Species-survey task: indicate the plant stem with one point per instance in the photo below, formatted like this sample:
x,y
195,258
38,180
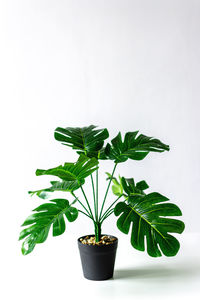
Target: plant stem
x,y
84,213
97,195
107,190
107,215
87,202
76,198
95,211
97,229
110,207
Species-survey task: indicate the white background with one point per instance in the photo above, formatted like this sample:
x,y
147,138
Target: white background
x,y
124,65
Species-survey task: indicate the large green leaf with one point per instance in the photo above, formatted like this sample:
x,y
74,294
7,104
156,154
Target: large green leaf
x,y
59,186
133,147
73,173
148,217
86,140
46,215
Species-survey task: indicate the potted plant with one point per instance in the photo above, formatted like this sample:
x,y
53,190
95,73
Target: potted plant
x,y
147,214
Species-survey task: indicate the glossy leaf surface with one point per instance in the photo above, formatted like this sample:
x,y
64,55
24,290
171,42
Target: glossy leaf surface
x,y
59,186
86,140
47,214
73,173
131,188
147,218
133,147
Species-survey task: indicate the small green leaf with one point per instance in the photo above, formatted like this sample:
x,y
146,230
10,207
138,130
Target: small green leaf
x,y
117,188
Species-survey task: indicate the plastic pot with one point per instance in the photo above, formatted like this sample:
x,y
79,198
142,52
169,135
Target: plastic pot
x,y
98,260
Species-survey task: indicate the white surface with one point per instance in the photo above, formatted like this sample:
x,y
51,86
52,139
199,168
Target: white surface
x,y
54,271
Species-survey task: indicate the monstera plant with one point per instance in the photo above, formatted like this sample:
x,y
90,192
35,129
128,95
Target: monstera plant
x,y
147,216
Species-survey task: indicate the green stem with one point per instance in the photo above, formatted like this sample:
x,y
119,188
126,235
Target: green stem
x,y
97,229
107,215
110,207
87,202
97,195
84,213
95,211
107,190
76,198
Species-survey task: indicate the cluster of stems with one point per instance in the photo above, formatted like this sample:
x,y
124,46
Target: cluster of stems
x,y
98,217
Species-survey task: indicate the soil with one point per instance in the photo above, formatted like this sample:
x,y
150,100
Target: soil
x,y
105,240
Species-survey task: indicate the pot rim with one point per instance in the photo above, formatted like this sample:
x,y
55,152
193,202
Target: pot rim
x,y
101,245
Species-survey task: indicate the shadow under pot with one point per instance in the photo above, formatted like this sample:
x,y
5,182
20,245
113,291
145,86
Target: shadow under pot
x,y
98,260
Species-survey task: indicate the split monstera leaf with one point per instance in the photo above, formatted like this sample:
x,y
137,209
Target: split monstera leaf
x,y
47,214
147,216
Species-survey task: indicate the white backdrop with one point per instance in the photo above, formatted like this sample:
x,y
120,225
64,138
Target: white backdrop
x,y
124,65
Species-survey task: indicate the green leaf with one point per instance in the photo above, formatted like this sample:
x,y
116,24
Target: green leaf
x,y
47,214
59,186
144,216
131,189
86,140
142,185
73,173
71,214
128,185
133,147
58,226
117,187
40,193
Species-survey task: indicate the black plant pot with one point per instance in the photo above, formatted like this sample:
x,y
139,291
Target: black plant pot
x,y
98,260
